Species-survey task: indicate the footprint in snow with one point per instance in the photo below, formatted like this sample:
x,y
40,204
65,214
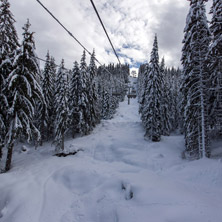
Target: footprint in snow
x,y
127,190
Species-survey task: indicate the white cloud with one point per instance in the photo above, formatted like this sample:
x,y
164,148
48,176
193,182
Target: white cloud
x,y
131,25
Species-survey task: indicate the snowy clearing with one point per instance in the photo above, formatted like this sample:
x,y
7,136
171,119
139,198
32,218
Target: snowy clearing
x,y
118,177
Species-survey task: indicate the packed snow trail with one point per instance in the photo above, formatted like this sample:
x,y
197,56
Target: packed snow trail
x,y
118,177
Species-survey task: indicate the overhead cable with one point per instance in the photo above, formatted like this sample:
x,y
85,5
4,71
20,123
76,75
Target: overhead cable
x,y
105,30
72,36
66,30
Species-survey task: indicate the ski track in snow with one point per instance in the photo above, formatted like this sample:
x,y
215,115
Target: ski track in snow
x,y
119,177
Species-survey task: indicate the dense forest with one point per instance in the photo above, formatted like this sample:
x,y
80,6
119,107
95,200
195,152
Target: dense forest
x,y
53,103
189,100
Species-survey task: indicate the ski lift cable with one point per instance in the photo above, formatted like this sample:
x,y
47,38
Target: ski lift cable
x,y
94,7
64,28
72,36
57,20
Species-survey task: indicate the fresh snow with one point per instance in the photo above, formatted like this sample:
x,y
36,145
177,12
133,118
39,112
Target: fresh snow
x,y
117,177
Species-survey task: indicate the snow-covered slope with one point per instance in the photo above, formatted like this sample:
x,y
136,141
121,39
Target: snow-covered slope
x,y
118,177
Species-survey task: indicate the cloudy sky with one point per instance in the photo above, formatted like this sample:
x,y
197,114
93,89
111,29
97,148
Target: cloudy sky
x,y
131,25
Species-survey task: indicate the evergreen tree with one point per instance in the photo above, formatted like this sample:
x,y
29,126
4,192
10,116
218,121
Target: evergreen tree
x,y
165,101
173,82
142,82
25,89
102,82
75,93
195,75
215,66
93,93
53,70
114,103
8,46
106,97
47,112
151,111
110,93
8,41
3,116
62,111
83,100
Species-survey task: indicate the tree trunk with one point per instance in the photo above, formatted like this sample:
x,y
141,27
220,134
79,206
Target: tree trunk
x,y
62,145
9,156
40,142
204,148
73,133
42,127
1,148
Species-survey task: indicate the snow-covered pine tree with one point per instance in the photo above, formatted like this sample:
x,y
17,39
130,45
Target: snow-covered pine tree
x,y
111,94
141,85
75,92
102,82
8,41
47,111
144,74
106,97
93,92
174,81
8,46
25,89
215,66
83,100
53,71
178,102
114,90
62,111
152,108
119,81
165,101
195,74
114,103
3,119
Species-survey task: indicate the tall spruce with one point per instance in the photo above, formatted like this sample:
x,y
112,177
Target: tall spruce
x,y
142,83
195,74
47,117
75,92
62,111
173,80
106,102
25,90
215,66
8,41
152,108
83,100
165,101
93,92
104,93
8,46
